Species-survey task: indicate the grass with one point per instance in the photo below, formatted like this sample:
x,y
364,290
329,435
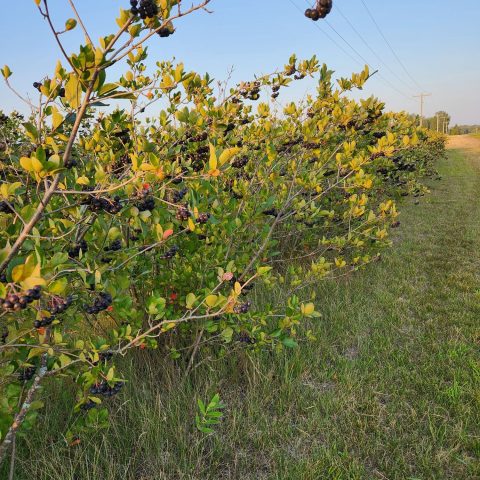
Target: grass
x,y
390,389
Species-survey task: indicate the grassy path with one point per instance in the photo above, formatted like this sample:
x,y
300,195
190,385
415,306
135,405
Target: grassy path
x,y
390,390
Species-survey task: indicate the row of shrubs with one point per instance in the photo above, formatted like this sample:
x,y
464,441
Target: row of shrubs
x,y
120,231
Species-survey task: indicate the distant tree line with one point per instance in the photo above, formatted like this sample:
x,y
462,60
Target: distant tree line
x,y
464,129
439,122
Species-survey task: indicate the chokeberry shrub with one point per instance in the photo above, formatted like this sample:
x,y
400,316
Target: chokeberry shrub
x,y
121,231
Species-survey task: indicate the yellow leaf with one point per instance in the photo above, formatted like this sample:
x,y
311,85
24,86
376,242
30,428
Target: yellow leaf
x,y
36,164
4,190
26,163
213,158
211,300
214,173
227,155
83,181
238,288
30,268
159,231
191,225
57,118
308,309
17,273
147,167
167,82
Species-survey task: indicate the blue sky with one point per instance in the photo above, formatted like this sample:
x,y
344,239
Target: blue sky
x,y
437,41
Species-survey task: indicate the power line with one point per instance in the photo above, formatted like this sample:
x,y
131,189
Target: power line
x,y
327,35
366,62
385,80
370,48
389,45
381,77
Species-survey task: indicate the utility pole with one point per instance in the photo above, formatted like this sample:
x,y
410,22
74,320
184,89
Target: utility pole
x,y
438,122
422,100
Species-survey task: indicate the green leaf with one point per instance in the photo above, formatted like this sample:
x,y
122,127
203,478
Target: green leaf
x,y
227,334
32,131
36,405
58,286
107,89
190,300
290,342
70,24
263,270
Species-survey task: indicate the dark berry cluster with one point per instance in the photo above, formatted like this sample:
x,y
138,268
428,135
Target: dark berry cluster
x,y
178,178
230,126
182,213
88,405
146,9
322,9
275,91
27,374
16,302
59,304
98,204
105,356
200,137
241,308
135,235
44,321
123,135
171,252
5,207
146,203
115,246
37,85
178,195
203,218
102,302
251,91
271,211
166,31
105,389
246,338
74,251
240,162
70,163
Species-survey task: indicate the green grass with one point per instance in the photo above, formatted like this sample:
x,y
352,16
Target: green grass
x,y
390,389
